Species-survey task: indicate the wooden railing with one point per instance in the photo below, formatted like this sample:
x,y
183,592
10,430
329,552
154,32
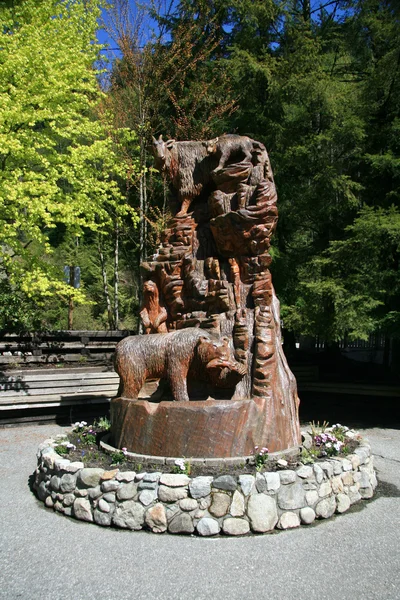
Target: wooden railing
x,y
58,346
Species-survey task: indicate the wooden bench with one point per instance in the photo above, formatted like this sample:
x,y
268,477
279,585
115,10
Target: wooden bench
x,y
50,388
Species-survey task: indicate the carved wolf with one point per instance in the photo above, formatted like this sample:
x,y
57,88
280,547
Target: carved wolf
x,y
230,145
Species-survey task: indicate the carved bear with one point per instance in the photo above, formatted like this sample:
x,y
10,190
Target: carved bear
x,y
174,356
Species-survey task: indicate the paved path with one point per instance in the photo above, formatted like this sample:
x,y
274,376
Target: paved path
x,y
46,556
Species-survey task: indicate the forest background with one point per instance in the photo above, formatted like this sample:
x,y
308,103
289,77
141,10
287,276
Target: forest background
x,y
317,82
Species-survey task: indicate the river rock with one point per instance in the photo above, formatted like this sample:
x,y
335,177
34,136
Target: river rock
x,y
287,477
307,515
288,520
67,483
174,481
182,523
207,526
188,504
90,478
146,497
262,512
343,503
273,481
200,486
220,504
110,485
304,472
127,491
235,526
126,476
171,494
237,505
94,493
247,484
225,482
102,518
326,507
156,518
291,497
82,509
129,515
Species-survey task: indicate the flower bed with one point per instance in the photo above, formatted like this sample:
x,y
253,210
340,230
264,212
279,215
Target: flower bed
x,y
206,505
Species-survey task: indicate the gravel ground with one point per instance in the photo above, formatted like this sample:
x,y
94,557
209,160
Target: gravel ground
x,y
44,555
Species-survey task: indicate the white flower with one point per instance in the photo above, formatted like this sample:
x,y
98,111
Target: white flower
x,y
328,445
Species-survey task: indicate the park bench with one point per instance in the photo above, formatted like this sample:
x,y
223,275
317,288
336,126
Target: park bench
x,y
24,394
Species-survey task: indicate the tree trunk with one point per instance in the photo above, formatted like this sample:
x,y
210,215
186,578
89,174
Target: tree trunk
x,y
116,276
105,287
71,301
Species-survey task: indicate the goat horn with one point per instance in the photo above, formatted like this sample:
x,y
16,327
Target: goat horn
x,y
160,138
154,139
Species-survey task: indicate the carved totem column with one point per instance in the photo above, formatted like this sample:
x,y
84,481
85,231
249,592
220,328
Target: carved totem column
x,y
212,272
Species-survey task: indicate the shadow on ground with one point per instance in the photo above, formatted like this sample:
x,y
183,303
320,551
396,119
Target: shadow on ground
x,y
360,412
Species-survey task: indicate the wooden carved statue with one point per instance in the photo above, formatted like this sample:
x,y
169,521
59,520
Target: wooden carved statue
x,y
210,284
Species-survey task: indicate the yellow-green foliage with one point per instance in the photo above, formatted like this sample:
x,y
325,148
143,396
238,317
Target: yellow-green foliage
x,y
61,163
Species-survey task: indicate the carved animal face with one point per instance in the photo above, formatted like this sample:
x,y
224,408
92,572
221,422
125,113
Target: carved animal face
x,y
161,151
149,287
222,368
211,145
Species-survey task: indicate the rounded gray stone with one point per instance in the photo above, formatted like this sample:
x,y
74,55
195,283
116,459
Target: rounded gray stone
x,y
225,482
200,486
326,507
188,504
49,502
288,520
127,491
102,518
110,486
291,497
94,493
90,478
152,477
146,497
287,477
171,494
181,523
69,499
220,504
261,484
247,483
67,483
55,483
235,526
262,512
237,508
273,481
82,509
103,506
305,472
126,476
129,515
109,497
307,515
207,526
343,503
171,480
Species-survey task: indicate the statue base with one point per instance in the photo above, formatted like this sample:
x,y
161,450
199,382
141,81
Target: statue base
x,y
196,429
